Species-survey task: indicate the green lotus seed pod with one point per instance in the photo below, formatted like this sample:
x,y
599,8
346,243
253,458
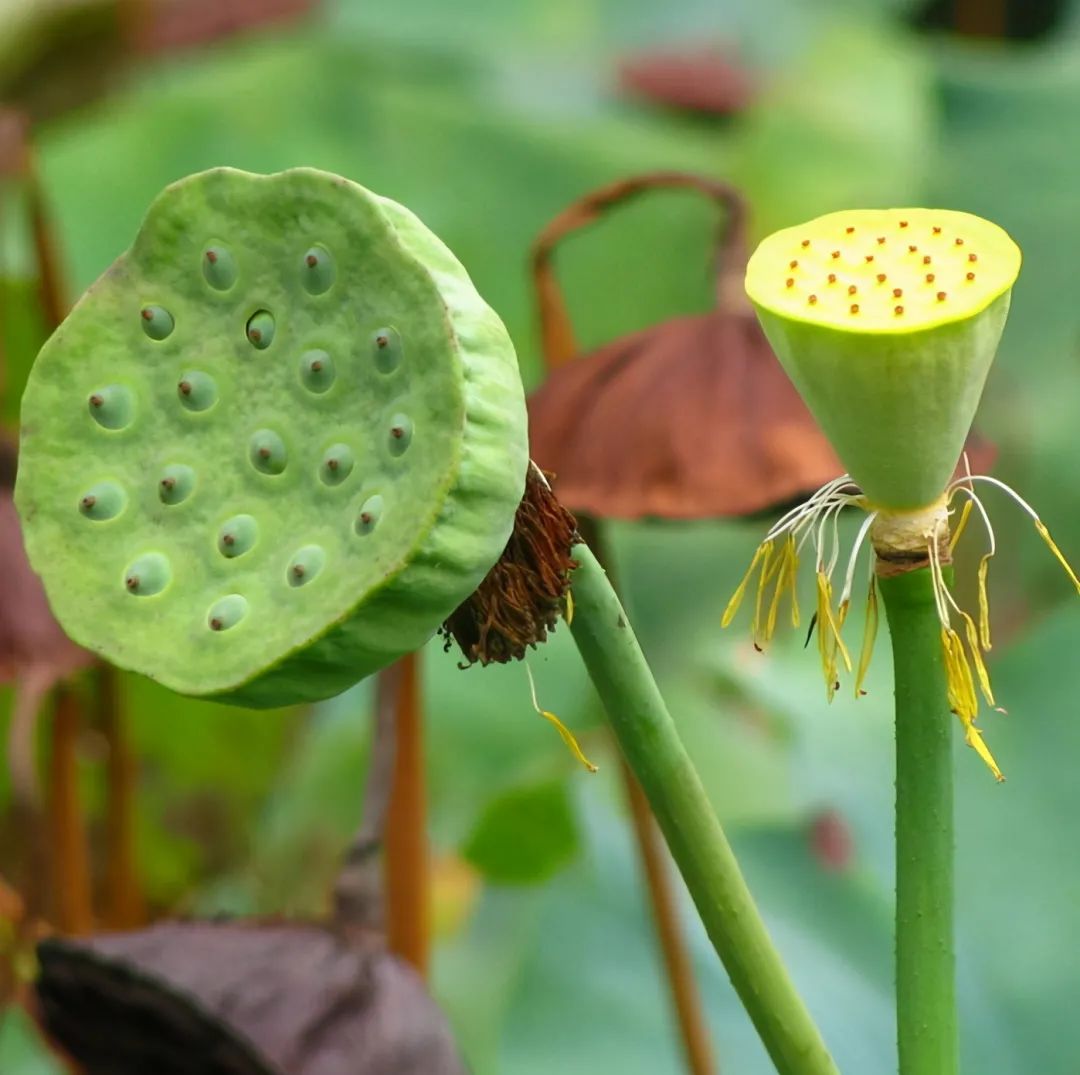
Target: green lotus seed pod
x,y
176,484
887,322
103,501
337,464
260,329
157,322
197,390
317,371
385,552
111,407
219,268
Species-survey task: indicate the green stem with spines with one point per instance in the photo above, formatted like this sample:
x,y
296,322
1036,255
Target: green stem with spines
x,y
651,745
925,962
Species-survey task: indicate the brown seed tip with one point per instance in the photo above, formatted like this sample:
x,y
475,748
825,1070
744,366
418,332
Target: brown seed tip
x,y
397,432
881,278
298,570
881,240
365,517
926,259
898,310
912,249
971,276
973,257
312,261
96,400
793,264
903,223
147,314
316,366
849,229
836,253
211,257
789,282
331,464
805,243
959,241
941,296
929,277
869,258
254,335
168,483
832,278
185,388
216,624
381,341
228,539
937,231
897,292
264,453
88,502
132,582
812,299
852,289
854,307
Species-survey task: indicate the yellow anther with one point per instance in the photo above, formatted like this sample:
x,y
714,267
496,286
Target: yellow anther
x,y
869,635
565,734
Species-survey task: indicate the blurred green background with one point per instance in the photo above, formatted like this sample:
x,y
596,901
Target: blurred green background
x,y
486,118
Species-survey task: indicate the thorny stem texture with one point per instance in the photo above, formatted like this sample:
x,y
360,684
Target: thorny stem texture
x,y
925,988
652,748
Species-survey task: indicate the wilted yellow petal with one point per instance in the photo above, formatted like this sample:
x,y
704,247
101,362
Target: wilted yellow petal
x,y
984,602
737,596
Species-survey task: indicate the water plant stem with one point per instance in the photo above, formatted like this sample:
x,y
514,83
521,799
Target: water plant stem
x,y
651,746
925,971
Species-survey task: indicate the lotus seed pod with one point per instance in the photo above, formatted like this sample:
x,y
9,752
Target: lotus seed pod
x,y
285,540
887,322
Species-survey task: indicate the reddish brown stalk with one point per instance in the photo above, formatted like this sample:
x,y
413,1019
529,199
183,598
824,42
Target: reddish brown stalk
x,y
693,1029
70,873
407,866
125,906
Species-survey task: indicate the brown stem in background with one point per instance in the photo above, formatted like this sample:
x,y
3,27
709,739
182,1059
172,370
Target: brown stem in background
x,y
54,303
72,911
125,907
406,862
655,865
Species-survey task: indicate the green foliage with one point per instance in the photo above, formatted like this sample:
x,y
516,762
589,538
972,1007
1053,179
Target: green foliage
x,y
524,835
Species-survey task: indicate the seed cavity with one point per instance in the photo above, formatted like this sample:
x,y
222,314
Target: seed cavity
x,y
337,464
317,271
102,501
112,407
156,321
386,349
226,612
317,371
219,268
237,536
305,565
260,329
197,390
401,430
147,575
267,452
367,518
176,484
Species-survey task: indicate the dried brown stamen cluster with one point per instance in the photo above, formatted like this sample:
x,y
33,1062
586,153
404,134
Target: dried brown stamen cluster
x,y
525,593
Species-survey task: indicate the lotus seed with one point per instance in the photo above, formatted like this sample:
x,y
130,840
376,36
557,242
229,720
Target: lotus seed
x,y
973,257
148,575
852,289
317,272
267,452
789,282
260,329
401,430
337,464
971,276
897,292
226,612
316,371
103,501
926,259
219,268
929,277
386,346
237,536
835,254
941,296
112,407
305,565
197,390
793,264
157,322
368,516
881,278
832,278
176,483
806,243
